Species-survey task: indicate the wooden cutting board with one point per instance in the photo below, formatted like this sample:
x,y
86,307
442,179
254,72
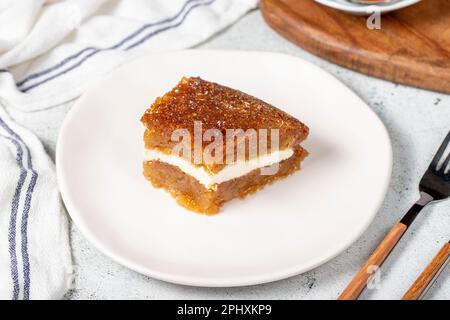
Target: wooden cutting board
x,y
412,47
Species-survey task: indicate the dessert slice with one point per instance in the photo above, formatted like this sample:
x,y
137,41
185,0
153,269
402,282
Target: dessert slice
x,y
207,144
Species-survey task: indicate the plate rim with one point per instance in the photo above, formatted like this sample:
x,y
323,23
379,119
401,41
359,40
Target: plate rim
x,y
208,281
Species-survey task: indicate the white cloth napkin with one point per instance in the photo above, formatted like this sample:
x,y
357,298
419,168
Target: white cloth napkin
x,y
34,246
50,51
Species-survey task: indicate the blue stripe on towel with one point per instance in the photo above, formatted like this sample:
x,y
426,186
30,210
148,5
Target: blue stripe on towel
x,y
56,66
24,227
150,35
13,218
95,50
15,139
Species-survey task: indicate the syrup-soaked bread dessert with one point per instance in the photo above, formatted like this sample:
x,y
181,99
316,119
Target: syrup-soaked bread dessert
x,y
207,144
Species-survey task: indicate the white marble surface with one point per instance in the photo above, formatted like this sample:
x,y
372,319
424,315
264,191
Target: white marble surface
x,y
417,121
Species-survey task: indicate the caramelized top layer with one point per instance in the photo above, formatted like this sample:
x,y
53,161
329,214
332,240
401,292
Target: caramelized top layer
x,y
216,107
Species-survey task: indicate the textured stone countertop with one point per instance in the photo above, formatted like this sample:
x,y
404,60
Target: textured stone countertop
x,y
417,121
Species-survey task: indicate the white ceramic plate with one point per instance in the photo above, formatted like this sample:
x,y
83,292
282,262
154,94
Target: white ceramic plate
x,y
355,8
287,228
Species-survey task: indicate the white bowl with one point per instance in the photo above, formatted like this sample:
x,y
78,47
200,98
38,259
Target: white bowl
x,y
361,9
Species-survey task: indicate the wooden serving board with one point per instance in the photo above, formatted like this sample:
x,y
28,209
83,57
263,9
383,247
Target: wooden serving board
x,y
412,47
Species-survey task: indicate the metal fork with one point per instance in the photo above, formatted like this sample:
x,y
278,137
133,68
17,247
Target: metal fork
x,y
434,186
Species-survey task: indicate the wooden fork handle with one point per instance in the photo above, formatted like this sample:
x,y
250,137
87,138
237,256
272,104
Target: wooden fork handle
x,y
430,273
354,288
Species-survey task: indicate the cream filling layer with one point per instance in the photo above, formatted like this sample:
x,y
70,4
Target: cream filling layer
x,y
229,172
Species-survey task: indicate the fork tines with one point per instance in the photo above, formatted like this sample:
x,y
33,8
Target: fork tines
x,y
439,155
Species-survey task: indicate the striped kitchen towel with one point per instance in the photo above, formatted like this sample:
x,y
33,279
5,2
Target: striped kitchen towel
x,y
50,52
34,246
